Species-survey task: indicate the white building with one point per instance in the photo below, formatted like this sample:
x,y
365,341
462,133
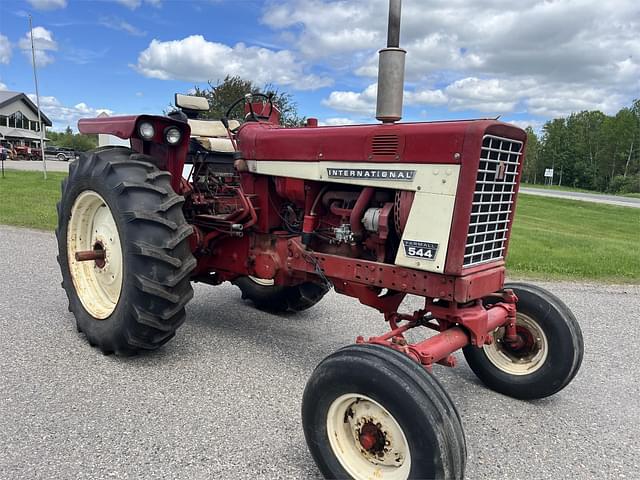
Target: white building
x,y
19,120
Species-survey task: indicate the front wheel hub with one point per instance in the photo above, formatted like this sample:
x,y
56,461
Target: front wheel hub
x,y
366,439
372,438
522,355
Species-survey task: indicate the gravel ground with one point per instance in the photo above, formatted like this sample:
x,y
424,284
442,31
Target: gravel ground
x,y
222,400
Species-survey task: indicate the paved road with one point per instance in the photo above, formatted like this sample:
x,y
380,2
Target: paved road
x,y
222,400
586,197
52,165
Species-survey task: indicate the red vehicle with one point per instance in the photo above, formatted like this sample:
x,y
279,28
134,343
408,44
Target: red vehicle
x,y
24,152
377,212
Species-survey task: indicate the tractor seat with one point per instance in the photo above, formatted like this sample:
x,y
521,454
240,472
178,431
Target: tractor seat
x,y
212,135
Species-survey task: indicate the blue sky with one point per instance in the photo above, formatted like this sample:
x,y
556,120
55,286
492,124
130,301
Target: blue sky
x,y
527,61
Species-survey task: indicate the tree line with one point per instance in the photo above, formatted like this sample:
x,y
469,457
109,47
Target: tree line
x,y
588,150
78,141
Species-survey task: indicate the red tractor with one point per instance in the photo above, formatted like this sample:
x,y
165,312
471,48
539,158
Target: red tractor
x,y
377,212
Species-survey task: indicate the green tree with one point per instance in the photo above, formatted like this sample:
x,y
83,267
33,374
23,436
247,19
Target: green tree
x,y
77,141
554,152
633,140
592,150
223,94
532,167
586,144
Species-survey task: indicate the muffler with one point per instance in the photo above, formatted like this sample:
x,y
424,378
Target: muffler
x,y
391,70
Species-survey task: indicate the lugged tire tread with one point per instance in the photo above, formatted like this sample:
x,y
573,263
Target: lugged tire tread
x,y
124,186
156,308
148,216
156,289
181,234
172,202
281,299
155,321
177,276
157,253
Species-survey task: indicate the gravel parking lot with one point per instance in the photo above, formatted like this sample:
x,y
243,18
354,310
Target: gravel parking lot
x,y
222,400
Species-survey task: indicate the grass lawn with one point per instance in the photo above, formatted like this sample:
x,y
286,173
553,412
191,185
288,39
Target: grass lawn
x,y
564,239
28,200
552,238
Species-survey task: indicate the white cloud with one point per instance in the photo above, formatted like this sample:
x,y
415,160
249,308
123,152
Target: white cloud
x,y
493,96
564,100
195,59
133,4
535,124
329,27
5,49
363,102
47,4
116,23
3,86
333,121
425,97
43,42
62,115
562,53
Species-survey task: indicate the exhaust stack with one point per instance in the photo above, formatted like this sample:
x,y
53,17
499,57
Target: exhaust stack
x,y
391,70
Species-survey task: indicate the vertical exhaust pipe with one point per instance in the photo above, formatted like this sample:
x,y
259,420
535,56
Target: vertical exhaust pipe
x,y
391,70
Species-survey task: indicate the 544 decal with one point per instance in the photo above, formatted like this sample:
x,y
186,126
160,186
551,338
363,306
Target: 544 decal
x,y
418,249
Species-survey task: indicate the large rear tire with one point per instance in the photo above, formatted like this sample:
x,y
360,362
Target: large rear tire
x,y
371,412
280,299
548,356
117,202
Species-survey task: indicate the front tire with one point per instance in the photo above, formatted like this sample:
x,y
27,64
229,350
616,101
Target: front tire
x,y
550,353
117,203
371,412
277,298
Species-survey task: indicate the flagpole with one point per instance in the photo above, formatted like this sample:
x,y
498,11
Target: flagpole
x,y
35,78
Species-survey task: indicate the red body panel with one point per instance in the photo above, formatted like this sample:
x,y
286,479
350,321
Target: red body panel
x,y
417,142
122,127
167,157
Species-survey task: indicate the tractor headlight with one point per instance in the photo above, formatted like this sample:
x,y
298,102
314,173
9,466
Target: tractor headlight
x,y
146,130
172,135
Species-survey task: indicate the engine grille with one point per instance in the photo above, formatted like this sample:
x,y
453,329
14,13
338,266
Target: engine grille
x,y
492,200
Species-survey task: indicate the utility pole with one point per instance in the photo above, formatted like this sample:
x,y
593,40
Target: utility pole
x,y
35,78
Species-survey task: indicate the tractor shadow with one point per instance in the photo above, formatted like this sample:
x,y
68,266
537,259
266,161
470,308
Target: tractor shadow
x,y
218,316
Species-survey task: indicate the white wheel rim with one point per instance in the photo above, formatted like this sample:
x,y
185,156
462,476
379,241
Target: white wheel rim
x,y
265,282
91,224
347,420
512,362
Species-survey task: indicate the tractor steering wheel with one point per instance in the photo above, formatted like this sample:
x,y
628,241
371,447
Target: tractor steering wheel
x,y
267,99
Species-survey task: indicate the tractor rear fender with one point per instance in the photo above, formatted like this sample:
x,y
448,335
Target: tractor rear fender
x,y
167,156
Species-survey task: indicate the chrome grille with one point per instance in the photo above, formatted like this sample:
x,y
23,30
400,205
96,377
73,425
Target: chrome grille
x,y
492,200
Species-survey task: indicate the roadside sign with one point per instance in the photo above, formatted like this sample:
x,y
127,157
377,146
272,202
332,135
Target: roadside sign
x,y
548,172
